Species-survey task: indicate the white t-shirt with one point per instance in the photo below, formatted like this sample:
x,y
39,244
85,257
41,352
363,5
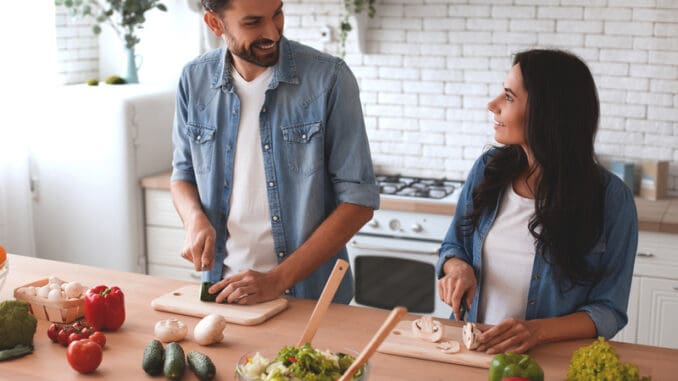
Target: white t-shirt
x,y
250,239
508,256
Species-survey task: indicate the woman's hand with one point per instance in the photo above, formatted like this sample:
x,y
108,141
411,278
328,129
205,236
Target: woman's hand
x,y
248,287
199,243
459,281
511,335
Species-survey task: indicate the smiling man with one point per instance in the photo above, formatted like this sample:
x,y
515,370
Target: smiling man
x,y
271,171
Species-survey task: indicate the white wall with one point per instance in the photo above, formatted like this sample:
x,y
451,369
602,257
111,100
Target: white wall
x,y
432,66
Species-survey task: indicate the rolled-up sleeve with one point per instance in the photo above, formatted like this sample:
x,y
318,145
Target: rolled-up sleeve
x,y
608,299
182,163
349,162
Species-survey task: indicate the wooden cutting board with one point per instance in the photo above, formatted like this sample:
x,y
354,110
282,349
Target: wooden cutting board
x,y
186,301
402,342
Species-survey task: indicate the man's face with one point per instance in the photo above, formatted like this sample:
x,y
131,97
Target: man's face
x,y
252,30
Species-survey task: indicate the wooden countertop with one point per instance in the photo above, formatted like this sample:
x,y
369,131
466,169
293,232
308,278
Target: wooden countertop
x,y
343,327
656,216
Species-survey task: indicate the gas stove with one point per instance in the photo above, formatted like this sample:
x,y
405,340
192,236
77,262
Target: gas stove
x,y
422,188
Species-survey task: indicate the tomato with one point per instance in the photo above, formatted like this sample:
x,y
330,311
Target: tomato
x,y
75,336
63,335
99,338
86,332
53,332
84,355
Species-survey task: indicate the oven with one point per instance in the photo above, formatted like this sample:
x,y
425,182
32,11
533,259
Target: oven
x,y
394,256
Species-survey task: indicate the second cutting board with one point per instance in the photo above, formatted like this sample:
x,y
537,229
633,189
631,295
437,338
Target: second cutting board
x,y
185,301
402,342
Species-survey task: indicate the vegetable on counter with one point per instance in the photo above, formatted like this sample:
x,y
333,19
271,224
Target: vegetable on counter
x,y
84,355
17,327
209,330
205,296
175,363
169,330
506,365
154,358
105,308
200,364
598,362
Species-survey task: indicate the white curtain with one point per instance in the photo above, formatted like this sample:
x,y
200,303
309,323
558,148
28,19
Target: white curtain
x,y
27,75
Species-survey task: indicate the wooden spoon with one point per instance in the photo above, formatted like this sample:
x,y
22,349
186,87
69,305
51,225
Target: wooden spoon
x,y
386,327
325,299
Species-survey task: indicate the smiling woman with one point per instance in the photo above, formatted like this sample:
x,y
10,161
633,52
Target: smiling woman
x,y
27,79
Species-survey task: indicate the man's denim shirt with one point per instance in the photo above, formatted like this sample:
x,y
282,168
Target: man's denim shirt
x,y
605,301
313,140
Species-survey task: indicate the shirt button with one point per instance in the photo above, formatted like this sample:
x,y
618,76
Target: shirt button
x,y
287,292
271,184
303,136
235,111
532,302
536,277
281,254
228,147
275,218
198,137
225,183
263,109
267,147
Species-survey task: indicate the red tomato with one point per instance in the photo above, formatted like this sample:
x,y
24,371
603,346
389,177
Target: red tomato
x,y
99,338
63,335
84,355
75,336
53,332
86,332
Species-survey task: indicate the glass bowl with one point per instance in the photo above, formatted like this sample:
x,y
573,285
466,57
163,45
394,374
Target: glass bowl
x,y
240,374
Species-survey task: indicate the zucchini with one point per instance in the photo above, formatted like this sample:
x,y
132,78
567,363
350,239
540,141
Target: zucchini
x,y
205,296
175,364
154,356
201,365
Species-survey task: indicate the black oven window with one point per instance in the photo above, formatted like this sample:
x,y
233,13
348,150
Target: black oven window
x,y
387,282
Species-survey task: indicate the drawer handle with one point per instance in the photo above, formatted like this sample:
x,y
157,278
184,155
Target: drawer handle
x,y
194,275
645,255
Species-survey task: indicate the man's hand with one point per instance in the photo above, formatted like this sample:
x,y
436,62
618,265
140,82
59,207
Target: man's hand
x,y
248,287
511,335
459,280
199,243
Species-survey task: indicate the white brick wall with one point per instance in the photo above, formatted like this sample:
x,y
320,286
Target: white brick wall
x,y
77,49
432,66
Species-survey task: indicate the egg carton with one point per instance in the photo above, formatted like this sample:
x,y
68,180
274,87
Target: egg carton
x,y
61,311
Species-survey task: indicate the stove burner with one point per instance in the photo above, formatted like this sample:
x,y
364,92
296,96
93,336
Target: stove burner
x,y
416,187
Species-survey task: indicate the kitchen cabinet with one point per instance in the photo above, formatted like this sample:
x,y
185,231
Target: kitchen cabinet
x,y
165,238
653,303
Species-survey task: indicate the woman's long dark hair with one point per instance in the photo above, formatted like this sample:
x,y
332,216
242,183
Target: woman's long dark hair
x,y
561,123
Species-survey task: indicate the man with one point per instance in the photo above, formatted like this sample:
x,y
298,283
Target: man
x,y
271,170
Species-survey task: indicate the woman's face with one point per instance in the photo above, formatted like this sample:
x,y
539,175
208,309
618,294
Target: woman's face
x,y
509,109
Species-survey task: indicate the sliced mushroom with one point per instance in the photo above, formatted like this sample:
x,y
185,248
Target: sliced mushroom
x,y
427,329
449,347
469,335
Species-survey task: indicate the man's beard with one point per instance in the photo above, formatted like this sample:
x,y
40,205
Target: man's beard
x,y
248,54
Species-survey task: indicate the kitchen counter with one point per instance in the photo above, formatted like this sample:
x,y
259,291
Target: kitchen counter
x,y
343,327
656,216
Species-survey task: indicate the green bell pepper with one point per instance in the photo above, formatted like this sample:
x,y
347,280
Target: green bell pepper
x,y
515,365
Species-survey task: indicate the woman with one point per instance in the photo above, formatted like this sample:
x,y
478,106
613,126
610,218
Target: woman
x,y
543,241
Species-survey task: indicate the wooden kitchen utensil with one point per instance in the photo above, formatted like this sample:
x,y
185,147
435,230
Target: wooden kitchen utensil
x,y
371,347
326,297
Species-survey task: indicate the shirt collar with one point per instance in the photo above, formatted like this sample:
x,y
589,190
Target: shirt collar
x,y
285,70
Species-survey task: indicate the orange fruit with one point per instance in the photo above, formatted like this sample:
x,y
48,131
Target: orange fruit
x,y
3,257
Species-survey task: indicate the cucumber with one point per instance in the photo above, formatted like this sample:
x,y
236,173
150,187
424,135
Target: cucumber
x,y
201,365
206,296
175,365
154,356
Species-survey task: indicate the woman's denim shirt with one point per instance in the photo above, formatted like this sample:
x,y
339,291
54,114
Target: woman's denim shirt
x,y
605,301
313,141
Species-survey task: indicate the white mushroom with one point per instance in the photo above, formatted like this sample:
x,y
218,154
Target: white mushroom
x,y
55,295
43,291
72,289
30,290
449,347
170,330
427,329
210,329
54,280
469,335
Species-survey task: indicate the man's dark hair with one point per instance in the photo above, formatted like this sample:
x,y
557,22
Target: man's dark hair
x,y
215,6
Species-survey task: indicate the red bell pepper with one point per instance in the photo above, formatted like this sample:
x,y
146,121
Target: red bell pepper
x,y
105,308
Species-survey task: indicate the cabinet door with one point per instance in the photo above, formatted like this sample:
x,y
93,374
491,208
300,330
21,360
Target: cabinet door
x,y
658,312
628,333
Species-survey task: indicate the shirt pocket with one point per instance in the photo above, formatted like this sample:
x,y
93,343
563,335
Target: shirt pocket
x,y
201,139
304,147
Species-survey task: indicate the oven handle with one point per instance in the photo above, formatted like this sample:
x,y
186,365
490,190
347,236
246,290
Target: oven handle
x,y
357,245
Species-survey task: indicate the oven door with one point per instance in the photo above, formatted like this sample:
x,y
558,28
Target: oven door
x,y
393,272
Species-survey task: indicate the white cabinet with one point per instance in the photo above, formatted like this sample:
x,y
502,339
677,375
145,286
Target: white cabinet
x,y
165,238
653,303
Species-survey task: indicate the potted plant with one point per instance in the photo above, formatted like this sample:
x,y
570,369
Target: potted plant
x,y
126,17
355,9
